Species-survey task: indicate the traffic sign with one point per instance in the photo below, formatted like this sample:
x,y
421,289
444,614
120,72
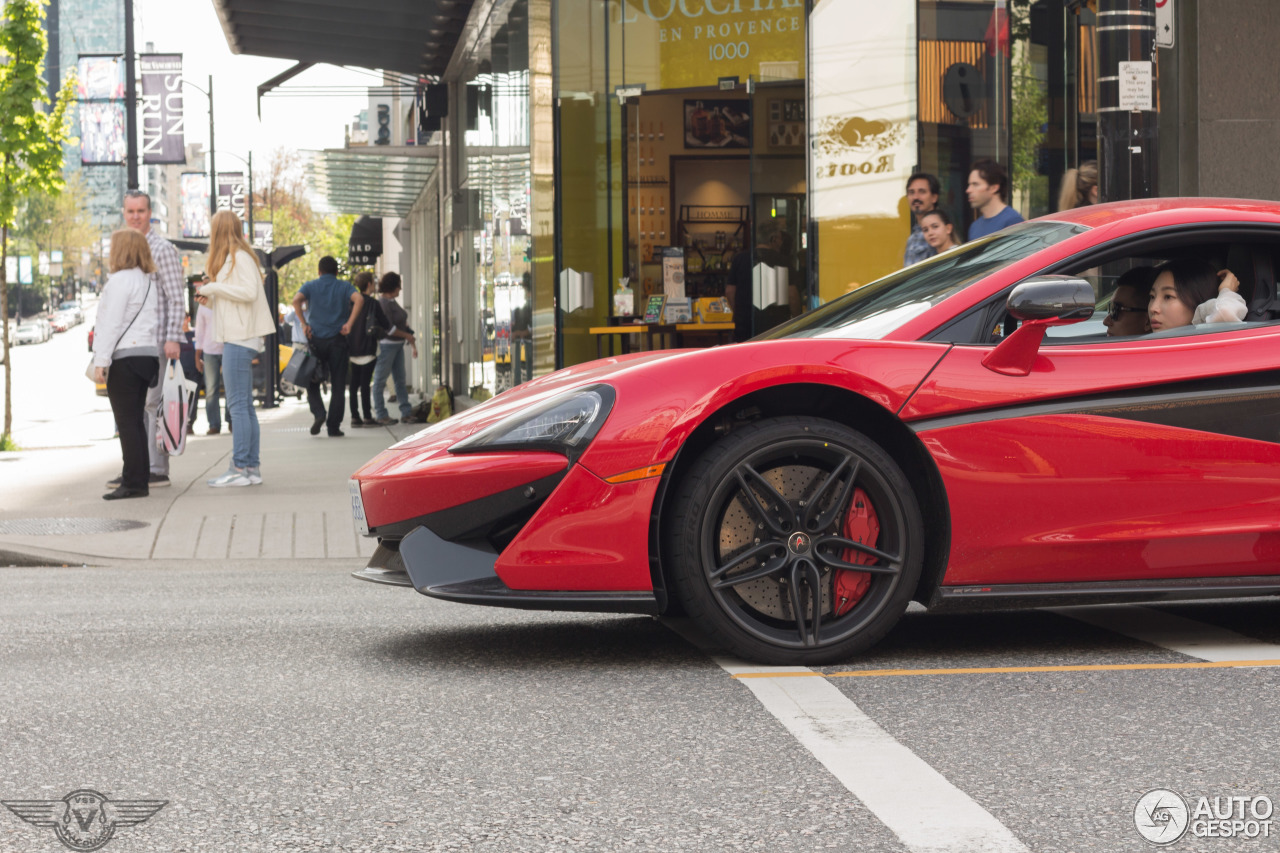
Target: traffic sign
x,y
1164,23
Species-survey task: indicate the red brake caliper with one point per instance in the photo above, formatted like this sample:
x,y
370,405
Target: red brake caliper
x,y
861,525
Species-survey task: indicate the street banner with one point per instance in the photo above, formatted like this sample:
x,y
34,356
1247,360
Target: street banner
x,y
11,269
102,134
100,77
231,195
264,236
195,204
24,270
160,115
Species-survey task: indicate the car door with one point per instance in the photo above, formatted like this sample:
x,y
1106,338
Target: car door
x,y
1114,459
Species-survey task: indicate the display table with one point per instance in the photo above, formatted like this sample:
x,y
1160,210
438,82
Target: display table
x,y
624,333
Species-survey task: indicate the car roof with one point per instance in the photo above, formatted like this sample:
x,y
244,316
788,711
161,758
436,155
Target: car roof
x,y
1181,209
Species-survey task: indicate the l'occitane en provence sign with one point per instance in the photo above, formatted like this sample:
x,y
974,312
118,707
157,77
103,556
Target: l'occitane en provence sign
x,y
700,41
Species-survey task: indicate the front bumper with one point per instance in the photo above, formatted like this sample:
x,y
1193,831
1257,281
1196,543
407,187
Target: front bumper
x,y
464,572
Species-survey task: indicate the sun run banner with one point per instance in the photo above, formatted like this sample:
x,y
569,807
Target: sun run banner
x,y
231,193
160,113
195,204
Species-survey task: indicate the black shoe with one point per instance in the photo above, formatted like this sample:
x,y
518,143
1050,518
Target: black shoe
x,y
116,483
122,492
156,481
336,433
356,422
315,427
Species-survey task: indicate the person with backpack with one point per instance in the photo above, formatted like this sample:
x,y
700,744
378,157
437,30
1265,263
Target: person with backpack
x,y
371,326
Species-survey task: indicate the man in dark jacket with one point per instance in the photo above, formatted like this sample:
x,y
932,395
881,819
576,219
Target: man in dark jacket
x,y
325,301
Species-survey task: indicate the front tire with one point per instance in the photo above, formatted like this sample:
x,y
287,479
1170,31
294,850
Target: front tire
x,y
794,540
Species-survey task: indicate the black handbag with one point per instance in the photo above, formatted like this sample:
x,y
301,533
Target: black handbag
x,y
301,368
374,330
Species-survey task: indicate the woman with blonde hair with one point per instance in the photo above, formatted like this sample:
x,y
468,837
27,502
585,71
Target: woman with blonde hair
x,y
124,340
1079,186
241,317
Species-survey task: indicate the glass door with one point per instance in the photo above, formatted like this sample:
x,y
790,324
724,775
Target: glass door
x,y
779,219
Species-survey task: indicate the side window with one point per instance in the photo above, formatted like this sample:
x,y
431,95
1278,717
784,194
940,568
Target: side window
x,y
1252,258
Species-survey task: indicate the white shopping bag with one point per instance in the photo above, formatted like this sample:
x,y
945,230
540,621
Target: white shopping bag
x,y
178,396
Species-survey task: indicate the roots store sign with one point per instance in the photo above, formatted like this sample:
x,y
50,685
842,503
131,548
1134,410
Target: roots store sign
x,y
700,41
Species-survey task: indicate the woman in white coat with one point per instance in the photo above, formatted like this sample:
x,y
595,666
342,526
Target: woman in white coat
x,y
125,354
241,317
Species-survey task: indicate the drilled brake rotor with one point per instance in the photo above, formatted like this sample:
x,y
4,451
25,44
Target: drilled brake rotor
x,y
738,531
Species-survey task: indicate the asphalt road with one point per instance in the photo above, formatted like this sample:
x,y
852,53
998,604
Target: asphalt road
x,y
286,706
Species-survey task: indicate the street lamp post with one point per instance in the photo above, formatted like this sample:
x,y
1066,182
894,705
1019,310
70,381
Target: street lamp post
x,y
213,171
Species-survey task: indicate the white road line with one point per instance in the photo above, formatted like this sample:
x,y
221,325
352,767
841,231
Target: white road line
x,y
925,811
1168,631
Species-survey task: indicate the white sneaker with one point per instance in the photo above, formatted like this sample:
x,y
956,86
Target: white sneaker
x,y
231,478
254,475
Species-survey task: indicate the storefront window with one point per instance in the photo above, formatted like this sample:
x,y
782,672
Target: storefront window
x,y
681,170
491,213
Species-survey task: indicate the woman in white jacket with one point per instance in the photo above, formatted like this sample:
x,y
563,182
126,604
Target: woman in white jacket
x,y
124,340
241,318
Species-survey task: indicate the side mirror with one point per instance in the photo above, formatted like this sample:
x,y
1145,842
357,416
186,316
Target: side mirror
x,y
1040,302
1058,298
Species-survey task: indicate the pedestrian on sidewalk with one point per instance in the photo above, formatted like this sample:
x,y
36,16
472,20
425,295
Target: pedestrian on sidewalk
x,y
241,319
209,364
168,283
391,354
362,347
124,341
324,303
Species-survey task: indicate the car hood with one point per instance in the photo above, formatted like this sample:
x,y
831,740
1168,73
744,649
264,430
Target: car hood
x,y
662,396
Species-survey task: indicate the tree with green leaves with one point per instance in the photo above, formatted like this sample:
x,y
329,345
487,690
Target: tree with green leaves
x,y
31,142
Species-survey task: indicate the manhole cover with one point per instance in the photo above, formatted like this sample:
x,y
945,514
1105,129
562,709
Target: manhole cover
x,y
64,526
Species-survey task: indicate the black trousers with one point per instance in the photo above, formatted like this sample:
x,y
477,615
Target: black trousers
x,y
332,352
128,380
361,378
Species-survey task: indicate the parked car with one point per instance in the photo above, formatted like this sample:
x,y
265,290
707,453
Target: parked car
x,y
32,332
77,313
957,433
62,321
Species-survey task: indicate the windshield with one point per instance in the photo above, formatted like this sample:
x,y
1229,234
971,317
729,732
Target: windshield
x,y
876,309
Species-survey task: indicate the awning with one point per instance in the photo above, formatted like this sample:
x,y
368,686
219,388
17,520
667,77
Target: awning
x,y
364,247
360,181
410,36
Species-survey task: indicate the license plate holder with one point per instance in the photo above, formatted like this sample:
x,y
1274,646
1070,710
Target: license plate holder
x,y
357,507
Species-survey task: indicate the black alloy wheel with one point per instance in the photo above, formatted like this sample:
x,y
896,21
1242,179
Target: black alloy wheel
x,y
759,549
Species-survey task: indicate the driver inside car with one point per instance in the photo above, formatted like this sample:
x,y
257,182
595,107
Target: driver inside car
x,y
1128,313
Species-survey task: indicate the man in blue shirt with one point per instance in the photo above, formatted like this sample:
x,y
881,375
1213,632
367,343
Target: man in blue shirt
x,y
922,195
330,306
988,193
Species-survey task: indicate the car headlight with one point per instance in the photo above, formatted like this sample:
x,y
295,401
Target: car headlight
x,y
564,424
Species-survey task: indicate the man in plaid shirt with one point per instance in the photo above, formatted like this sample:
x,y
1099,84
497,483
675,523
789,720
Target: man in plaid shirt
x,y
167,280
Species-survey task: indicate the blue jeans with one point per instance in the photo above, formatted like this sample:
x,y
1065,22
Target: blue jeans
x,y
390,362
237,374
212,388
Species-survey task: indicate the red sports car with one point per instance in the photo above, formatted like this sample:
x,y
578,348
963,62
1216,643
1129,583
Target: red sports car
x,y
963,433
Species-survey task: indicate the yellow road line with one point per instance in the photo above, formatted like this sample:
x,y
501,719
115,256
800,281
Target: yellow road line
x,y
997,670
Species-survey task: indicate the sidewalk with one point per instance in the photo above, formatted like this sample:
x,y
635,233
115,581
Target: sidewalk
x,y
51,505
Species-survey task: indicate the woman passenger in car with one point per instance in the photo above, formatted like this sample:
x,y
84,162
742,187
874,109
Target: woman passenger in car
x,y
1187,292
1128,314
